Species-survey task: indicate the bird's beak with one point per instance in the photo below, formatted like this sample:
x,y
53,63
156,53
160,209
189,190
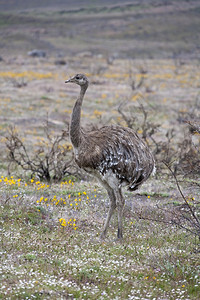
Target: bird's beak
x,y
70,80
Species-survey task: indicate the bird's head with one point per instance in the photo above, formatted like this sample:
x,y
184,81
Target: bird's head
x,y
79,79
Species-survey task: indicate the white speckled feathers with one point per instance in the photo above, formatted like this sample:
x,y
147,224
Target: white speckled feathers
x,y
118,149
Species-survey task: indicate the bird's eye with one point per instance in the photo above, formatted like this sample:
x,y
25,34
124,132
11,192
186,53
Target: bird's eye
x,y
77,77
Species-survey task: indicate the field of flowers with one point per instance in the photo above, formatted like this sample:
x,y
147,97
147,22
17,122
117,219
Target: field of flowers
x,y
49,245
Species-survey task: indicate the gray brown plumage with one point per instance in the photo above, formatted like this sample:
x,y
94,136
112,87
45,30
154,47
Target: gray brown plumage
x,y
115,155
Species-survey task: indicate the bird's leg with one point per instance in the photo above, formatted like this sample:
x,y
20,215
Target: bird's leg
x,y
110,212
120,207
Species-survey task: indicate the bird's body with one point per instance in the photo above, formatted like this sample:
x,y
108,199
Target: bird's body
x,y
115,155
117,150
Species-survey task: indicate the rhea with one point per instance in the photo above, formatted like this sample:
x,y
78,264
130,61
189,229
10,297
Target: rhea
x,y
116,155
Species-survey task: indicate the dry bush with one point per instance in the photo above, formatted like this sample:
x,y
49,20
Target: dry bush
x,y
137,83
184,215
147,128
188,160
176,147
51,160
18,82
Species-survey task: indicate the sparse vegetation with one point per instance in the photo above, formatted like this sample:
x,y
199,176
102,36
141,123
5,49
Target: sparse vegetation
x,y
58,254
50,225
45,223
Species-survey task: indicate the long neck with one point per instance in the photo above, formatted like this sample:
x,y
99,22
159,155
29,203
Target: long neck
x,y
75,127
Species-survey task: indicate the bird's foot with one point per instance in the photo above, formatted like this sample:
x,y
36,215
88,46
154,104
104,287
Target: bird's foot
x,y
102,236
118,240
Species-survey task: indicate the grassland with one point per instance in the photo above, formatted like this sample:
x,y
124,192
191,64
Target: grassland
x,y
49,243
51,249
49,238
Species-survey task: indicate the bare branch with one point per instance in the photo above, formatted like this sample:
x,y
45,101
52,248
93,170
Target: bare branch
x,y
51,161
184,198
